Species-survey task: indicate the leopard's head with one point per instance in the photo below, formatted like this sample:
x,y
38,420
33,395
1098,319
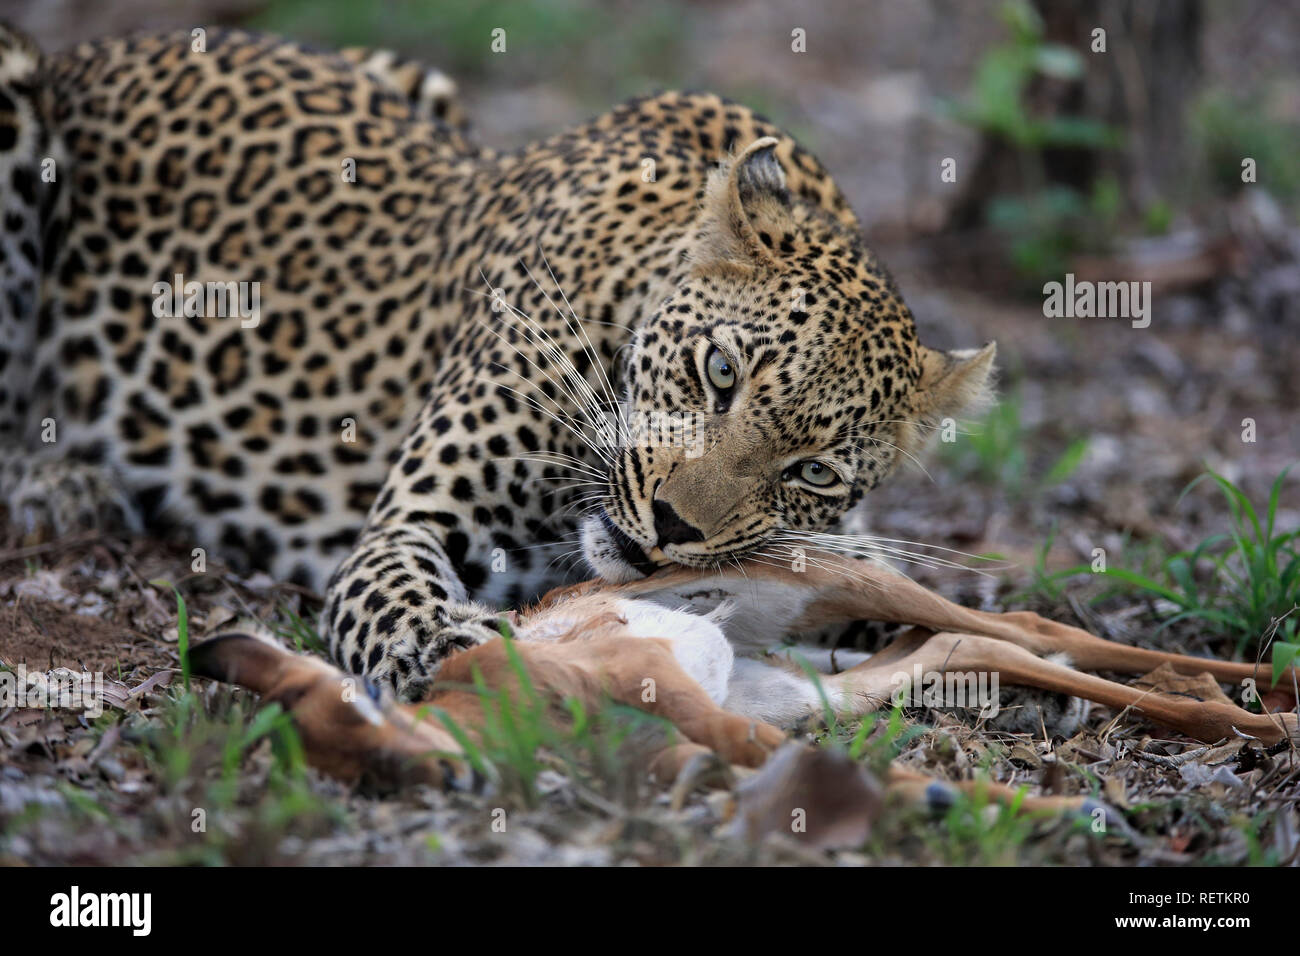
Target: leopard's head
x,y
778,383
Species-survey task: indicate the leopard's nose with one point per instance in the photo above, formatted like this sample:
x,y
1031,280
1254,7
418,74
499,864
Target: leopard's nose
x,y
670,527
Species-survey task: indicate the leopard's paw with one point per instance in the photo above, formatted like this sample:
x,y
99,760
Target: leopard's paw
x,y
51,499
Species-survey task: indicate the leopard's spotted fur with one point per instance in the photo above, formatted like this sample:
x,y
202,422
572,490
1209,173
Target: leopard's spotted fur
x,y
390,420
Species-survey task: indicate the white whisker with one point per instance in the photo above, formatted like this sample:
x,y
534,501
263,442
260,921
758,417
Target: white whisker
x,y
589,404
596,361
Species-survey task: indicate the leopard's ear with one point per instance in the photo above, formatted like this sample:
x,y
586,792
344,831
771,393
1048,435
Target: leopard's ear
x,y
746,207
953,385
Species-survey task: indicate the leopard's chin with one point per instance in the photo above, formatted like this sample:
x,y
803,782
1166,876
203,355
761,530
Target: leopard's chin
x,y
613,555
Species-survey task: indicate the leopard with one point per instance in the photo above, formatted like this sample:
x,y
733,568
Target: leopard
x,y
465,375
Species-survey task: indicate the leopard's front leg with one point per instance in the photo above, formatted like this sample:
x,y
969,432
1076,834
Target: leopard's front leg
x,y
470,517
395,609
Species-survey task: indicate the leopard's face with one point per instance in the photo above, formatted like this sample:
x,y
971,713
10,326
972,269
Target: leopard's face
x,y
777,384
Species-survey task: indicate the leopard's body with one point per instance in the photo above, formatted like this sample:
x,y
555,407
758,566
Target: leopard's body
x,y
405,421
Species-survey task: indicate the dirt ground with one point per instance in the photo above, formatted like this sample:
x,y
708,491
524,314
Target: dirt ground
x,y
1148,411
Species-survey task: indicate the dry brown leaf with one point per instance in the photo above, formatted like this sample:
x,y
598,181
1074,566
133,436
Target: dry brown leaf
x,y
1165,680
1026,755
1116,792
160,679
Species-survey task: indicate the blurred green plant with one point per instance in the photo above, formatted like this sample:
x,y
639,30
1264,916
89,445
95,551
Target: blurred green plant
x,y
1244,584
1043,224
182,629
977,831
1042,583
1228,128
288,625
596,49
993,451
866,738
1043,230
1157,218
880,738
996,105
461,31
200,749
519,736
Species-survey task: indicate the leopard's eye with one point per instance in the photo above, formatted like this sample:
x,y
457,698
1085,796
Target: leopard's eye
x,y
721,372
816,473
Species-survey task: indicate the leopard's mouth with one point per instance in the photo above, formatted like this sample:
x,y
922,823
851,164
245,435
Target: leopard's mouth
x,y
631,552
617,557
